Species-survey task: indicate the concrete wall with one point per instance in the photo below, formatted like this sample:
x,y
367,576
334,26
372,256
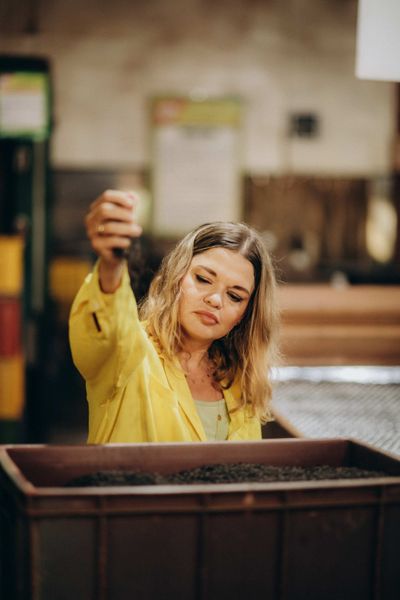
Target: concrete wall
x,y
281,57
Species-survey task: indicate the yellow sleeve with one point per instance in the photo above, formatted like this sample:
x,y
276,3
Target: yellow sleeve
x,y
105,333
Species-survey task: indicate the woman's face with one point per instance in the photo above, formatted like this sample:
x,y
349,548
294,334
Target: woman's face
x,y
215,293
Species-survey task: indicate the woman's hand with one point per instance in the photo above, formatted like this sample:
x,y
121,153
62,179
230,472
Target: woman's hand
x,y
111,224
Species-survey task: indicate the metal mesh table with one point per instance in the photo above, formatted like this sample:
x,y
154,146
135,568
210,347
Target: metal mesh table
x,y
361,403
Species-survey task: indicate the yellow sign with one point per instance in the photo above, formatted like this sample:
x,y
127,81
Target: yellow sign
x,y
188,112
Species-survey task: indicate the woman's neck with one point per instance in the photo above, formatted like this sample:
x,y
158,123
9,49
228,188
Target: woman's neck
x,y
193,354
199,373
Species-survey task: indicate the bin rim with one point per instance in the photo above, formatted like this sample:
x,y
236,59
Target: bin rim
x,y
28,489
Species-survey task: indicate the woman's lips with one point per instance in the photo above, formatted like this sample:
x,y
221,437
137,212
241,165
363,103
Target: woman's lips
x,y
207,318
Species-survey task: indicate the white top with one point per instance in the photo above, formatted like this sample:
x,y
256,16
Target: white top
x,y
214,417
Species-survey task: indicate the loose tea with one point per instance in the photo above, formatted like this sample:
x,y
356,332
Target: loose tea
x,y
223,473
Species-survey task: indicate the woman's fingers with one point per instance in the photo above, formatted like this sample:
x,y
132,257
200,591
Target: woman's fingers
x,y
111,206
108,211
115,228
110,222
122,199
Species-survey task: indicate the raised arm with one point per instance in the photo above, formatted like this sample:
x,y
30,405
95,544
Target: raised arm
x,y
110,226
105,333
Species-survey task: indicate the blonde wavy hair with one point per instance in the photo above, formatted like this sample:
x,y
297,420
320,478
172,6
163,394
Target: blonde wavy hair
x,y
249,350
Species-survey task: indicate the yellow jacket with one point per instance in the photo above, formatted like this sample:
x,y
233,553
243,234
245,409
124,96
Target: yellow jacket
x,y
134,393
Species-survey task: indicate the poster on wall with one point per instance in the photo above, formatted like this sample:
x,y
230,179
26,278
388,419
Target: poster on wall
x,y
24,105
196,163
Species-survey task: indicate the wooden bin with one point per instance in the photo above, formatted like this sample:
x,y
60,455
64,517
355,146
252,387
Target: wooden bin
x,y
281,541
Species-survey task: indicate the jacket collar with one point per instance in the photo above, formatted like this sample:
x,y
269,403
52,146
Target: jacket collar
x,y
176,379
232,399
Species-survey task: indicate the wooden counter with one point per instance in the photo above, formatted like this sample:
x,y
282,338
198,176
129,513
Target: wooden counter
x,y
323,325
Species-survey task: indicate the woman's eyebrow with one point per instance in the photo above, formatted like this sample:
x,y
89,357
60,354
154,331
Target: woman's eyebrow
x,y
214,274
242,289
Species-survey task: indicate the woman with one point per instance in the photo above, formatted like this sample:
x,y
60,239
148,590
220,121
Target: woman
x,y
193,364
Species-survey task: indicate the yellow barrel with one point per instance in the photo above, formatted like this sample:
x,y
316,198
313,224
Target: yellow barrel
x,y
11,265
12,387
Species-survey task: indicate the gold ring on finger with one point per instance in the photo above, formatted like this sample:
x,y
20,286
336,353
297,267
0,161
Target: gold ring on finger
x,y
100,228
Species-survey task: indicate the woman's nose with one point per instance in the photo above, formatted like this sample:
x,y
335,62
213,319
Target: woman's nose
x,y
214,300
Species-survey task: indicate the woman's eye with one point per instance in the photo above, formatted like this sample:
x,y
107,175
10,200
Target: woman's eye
x,y
235,298
202,279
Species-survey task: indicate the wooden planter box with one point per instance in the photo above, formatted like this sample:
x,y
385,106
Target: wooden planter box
x,y
310,540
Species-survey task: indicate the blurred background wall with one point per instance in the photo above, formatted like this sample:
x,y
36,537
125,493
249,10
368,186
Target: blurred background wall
x,y
282,58
319,173
286,60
